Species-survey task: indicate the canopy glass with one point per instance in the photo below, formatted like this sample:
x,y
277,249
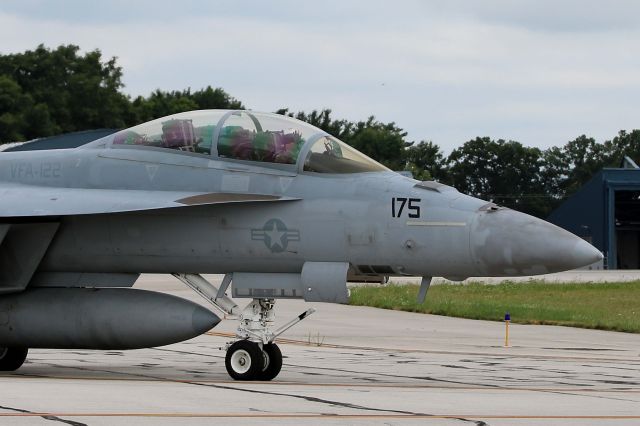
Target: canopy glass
x,y
249,136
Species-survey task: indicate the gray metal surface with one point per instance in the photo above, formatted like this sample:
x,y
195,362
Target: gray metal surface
x,y
21,251
280,285
47,201
74,318
502,242
325,282
82,279
318,282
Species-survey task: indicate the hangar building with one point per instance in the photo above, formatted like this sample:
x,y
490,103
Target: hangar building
x,y
606,212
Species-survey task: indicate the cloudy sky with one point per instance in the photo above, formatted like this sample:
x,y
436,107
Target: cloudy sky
x,y
540,72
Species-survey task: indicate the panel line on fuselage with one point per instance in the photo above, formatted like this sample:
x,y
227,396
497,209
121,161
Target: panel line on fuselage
x,y
423,223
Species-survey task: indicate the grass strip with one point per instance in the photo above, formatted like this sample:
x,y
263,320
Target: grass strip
x,y
602,306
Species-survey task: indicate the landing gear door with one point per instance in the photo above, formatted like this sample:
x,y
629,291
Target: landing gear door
x,y
325,282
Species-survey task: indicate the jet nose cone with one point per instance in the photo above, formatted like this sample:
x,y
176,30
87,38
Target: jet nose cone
x,y
585,254
510,243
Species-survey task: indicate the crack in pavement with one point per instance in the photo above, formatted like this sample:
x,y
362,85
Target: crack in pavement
x,y
46,417
331,403
425,378
306,398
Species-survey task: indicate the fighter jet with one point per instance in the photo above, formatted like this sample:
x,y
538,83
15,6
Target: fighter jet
x,y
281,208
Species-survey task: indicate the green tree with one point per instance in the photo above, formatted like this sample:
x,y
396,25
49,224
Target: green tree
x,y
624,144
210,98
69,91
583,158
503,171
341,129
384,143
14,105
553,174
426,161
161,103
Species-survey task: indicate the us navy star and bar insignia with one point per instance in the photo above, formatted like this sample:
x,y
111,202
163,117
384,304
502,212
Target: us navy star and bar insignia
x,y
276,235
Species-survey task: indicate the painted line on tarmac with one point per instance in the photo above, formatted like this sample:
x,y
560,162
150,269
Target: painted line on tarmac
x,y
331,416
371,348
23,376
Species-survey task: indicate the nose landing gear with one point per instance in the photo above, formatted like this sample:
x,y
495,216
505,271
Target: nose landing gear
x,y
255,356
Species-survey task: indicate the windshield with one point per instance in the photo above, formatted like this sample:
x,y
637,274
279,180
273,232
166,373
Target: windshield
x,y
329,155
263,137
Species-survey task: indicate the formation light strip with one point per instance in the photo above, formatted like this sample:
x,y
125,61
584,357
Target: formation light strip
x,y
422,223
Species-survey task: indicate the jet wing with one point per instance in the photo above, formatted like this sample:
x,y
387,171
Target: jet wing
x,y
38,201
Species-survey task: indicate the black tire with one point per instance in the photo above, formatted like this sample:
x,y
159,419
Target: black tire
x,y
244,360
272,363
12,358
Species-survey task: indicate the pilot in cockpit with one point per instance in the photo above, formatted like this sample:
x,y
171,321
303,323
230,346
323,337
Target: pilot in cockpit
x,y
178,134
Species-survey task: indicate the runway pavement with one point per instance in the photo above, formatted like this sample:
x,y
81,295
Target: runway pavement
x,y
343,365
574,276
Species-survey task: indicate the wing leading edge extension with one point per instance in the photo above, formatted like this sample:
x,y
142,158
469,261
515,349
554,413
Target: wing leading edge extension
x,y
35,201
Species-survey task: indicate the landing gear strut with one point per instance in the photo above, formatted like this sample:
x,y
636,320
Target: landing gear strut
x,y
12,358
253,355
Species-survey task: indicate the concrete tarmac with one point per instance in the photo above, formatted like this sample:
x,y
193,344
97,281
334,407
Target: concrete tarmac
x,y
343,365
574,276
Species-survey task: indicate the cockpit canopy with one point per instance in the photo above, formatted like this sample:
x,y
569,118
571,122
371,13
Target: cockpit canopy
x,y
248,136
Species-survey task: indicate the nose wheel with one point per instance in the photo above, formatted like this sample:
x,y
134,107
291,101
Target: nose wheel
x,y
254,356
272,362
245,360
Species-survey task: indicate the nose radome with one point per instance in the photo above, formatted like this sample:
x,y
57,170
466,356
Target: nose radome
x,y
509,243
586,254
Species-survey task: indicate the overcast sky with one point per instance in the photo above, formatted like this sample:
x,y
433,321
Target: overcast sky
x,y
539,72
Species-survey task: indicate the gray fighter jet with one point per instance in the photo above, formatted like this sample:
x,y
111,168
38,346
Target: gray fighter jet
x,y
283,209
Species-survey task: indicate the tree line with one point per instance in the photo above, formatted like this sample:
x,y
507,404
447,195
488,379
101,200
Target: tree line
x,y
45,92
